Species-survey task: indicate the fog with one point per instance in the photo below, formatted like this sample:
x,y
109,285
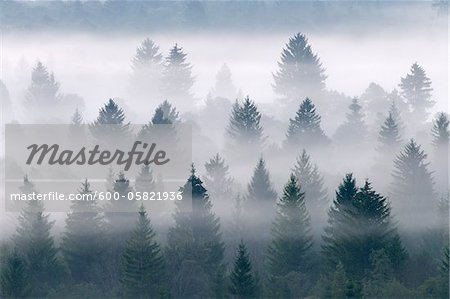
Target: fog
x,y
349,133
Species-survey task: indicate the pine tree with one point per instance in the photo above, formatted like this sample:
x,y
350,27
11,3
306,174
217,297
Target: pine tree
x,y
217,180
143,264
195,242
43,90
177,78
224,86
35,243
300,73
360,223
416,89
389,135
244,131
311,182
83,243
305,129
413,195
14,281
110,124
147,69
291,232
77,118
243,282
354,130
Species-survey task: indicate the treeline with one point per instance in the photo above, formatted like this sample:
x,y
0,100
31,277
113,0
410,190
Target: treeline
x,y
166,15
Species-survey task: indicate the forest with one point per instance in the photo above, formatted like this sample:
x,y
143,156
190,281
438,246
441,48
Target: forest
x,y
316,194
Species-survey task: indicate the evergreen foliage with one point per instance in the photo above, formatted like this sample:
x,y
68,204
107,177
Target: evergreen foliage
x,y
243,281
83,241
195,242
143,264
353,130
360,223
110,123
305,129
416,89
300,72
14,281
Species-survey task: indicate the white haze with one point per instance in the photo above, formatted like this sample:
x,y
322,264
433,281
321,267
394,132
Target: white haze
x,y
98,67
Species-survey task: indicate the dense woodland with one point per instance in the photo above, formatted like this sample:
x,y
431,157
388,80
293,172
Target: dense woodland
x,y
362,212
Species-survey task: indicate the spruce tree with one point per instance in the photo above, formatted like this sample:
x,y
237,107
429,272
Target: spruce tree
x,y
195,242
218,180
169,112
244,131
120,218
147,69
292,240
440,134
83,243
144,181
354,130
43,92
224,86
360,223
35,243
413,194
305,130
416,89
143,264
243,281
300,73
311,181
110,123
177,79
389,135
14,281
375,99
260,190
440,131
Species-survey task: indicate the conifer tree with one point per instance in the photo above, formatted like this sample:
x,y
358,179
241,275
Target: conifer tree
x,y
300,73
177,79
83,243
35,243
143,264
43,90
416,89
260,190
224,86
440,131
413,194
120,218
360,223
110,123
291,232
169,112
440,134
218,180
144,180
195,242
14,281
375,99
354,130
77,118
243,281
389,135
147,69
305,130
311,181
244,130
